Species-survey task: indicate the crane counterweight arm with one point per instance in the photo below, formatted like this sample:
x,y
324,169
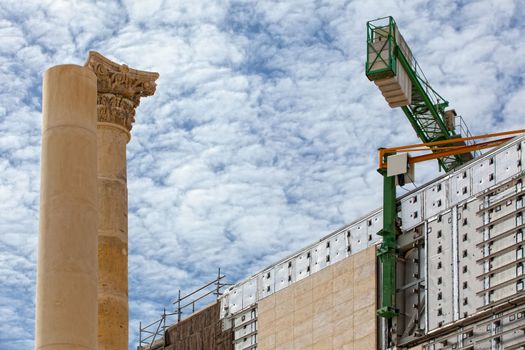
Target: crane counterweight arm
x,y
392,67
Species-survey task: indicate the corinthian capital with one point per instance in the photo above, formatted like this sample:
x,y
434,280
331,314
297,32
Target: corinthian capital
x,y
119,89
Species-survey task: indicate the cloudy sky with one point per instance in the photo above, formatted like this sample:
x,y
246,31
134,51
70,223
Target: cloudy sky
x,y
262,135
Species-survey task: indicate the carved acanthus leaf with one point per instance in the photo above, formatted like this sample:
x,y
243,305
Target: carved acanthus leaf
x,y
119,89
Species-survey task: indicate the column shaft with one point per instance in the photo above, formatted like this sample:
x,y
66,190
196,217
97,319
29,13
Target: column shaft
x,y
112,237
119,90
66,293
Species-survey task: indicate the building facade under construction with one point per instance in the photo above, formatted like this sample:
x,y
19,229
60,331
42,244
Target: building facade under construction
x,y
460,276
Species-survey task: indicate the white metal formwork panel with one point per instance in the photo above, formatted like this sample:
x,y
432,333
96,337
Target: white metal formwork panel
x,y
501,195
504,292
506,326
440,281
338,247
245,343
522,153
245,330
460,186
358,237
283,275
412,211
504,223
514,327
243,317
435,199
503,243
504,259
507,207
235,299
502,276
244,324
302,266
508,162
469,253
320,256
374,225
225,304
483,175
249,292
266,283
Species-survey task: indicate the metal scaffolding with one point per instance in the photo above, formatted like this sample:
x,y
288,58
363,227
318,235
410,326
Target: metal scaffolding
x,y
151,336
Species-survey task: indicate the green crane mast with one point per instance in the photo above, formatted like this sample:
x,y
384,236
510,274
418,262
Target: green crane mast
x,y
392,67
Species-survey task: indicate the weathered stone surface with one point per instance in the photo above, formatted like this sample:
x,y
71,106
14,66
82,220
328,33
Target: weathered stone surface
x,y
112,239
119,89
66,295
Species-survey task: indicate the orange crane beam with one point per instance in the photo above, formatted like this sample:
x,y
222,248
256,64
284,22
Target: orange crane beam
x,y
444,151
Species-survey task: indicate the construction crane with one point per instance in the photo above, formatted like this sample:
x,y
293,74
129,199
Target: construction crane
x,y
391,65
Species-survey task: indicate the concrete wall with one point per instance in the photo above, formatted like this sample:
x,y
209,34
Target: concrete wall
x,y
331,309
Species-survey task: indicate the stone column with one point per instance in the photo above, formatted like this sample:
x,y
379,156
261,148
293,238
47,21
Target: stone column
x,y
119,91
66,291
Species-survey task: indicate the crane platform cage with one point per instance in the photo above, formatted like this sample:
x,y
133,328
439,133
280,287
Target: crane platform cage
x,y
384,44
